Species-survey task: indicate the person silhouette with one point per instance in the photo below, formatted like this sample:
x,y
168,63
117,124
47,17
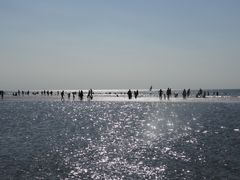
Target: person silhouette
x,y
160,93
2,94
204,94
136,94
90,94
150,89
200,93
184,94
169,92
62,96
81,95
129,94
188,92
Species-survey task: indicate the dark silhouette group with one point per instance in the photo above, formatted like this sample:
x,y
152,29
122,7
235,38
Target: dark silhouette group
x,y
80,95
129,93
185,93
166,95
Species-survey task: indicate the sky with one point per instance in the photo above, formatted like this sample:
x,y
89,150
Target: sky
x,y
109,44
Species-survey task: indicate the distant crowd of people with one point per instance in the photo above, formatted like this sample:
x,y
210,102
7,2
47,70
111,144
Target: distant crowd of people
x,y
203,94
162,95
80,95
186,93
168,94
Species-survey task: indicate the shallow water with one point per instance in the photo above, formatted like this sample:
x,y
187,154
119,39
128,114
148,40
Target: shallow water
x,y
119,140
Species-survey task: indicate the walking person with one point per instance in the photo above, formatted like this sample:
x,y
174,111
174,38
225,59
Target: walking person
x,y
62,96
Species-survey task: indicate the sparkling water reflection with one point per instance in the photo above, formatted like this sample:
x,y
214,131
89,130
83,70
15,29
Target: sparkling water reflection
x,y
119,140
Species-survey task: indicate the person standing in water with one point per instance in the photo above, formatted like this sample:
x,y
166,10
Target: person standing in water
x,y
62,96
129,94
2,94
90,94
136,94
184,94
188,92
80,95
169,92
150,89
160,94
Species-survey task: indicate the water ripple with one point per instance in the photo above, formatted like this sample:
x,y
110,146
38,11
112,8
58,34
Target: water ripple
x,y
119,140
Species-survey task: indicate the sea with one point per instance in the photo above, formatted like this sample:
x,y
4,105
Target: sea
x,y
112,137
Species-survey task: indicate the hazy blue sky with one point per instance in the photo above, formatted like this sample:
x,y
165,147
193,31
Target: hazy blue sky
x,y
106,44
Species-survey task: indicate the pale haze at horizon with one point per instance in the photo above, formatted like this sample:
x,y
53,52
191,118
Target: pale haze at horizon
x,y
119,44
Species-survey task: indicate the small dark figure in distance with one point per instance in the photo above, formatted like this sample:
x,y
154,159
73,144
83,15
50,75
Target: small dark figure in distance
x,y
2,93
204,94
81,95
90,94
136,94
184,94
188,92
150,89
160,93
62,96
129,94
200,93
169,92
